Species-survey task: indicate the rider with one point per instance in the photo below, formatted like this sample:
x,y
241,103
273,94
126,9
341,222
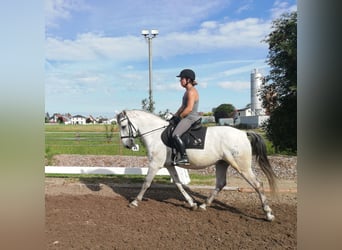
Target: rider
x,y
187,113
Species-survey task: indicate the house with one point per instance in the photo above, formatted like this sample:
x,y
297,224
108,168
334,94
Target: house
x,y
78,119
91,119
246,117
58,118
244,112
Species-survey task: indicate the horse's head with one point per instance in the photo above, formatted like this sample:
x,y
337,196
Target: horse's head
x,y
127,130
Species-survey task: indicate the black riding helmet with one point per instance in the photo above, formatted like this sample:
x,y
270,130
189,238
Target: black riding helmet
x,y
187,73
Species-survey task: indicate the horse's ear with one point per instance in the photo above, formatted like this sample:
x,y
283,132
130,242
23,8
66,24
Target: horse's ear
x,y
124,112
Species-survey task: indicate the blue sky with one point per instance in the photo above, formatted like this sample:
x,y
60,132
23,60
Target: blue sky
x,y
97,60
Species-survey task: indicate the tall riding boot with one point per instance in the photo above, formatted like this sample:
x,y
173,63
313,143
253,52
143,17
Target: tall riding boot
x,y
181,149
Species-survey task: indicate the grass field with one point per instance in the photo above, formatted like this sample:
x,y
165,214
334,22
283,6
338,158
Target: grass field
x,y
86,140
97,139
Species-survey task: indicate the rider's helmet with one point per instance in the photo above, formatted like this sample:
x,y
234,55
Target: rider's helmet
x,y
187,73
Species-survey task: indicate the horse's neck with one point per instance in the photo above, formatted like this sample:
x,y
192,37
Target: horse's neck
x,y
149,126
146,122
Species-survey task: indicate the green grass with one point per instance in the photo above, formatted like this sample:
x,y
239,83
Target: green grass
x,y
96,139
86,140
78,128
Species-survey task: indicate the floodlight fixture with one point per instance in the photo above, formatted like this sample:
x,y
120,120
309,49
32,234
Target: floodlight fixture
x,y
144,32
154,32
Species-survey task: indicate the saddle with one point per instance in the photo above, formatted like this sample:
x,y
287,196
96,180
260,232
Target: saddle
x,y
194,137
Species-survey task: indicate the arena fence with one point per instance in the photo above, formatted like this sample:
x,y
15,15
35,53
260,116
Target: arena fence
x,y
95,142
182,173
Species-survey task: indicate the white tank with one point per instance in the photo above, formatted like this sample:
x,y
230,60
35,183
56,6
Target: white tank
x,y
256,82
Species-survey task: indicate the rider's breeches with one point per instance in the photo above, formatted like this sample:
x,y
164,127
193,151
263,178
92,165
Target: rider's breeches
x,y
182,127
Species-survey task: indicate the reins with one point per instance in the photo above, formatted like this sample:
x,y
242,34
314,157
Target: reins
x,y
148,132
134,133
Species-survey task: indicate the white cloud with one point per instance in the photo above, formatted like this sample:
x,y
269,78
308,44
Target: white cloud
x,y
209,25
244,69
127,15
91,46
280,7
203,84
56,10
168,87
215,35
211,35
244,7
234,85
66,78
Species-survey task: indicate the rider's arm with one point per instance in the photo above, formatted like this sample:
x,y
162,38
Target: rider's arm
x,y
179,111
190,104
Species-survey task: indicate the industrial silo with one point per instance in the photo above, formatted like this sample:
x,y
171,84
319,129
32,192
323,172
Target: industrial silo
x,y
256,82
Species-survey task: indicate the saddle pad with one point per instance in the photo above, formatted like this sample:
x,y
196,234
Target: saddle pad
x,y
191,138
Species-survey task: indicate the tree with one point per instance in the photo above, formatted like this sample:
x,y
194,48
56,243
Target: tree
x,y
224,111
146,105
47,117
163,114
279,91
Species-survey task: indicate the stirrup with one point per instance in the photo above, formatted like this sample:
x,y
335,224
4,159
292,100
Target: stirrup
x,y
182,161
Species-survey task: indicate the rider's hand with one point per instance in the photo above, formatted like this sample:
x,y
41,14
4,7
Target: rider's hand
x,y
174,120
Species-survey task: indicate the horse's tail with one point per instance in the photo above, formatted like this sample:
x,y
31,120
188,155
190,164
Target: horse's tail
x,y
259,149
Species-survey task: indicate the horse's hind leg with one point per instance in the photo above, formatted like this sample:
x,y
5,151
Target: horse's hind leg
x,y
221,172
250,177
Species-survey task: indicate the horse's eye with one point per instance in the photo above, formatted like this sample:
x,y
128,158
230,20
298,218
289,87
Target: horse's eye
x,y
123,127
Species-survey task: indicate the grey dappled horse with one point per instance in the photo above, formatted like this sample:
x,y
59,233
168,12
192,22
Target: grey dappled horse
x,y
223,146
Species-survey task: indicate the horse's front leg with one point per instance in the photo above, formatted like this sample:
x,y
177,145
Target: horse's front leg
x,y
174,175
152,171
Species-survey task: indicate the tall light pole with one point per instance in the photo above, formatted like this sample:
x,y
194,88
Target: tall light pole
x,y
149,35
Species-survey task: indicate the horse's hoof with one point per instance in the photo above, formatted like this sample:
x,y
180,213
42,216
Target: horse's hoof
x,y
270,217
133,204
194,207
203,207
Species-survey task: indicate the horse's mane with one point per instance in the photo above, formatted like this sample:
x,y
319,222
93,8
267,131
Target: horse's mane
x,y
136,112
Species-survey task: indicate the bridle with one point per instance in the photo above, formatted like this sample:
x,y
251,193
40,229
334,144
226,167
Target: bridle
x,y
132,131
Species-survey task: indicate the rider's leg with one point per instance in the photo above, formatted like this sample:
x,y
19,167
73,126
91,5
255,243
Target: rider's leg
x,y
181,149
180,129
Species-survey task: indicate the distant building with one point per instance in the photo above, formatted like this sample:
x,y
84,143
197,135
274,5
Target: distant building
x,y
78,119
244,112
58,118
226,121
253,115
208,119
91,120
